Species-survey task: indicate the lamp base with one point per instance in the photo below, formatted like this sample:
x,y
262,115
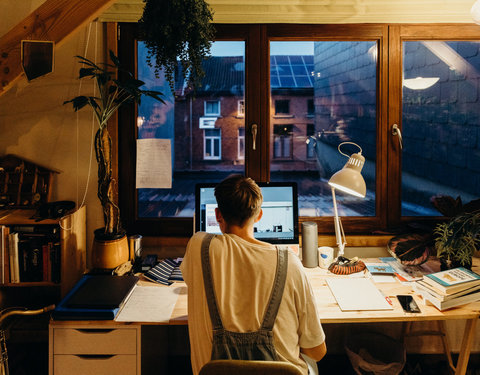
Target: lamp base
x,y
345,266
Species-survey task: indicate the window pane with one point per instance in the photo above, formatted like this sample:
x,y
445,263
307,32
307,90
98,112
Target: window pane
x,y
195,154
440,123
331,91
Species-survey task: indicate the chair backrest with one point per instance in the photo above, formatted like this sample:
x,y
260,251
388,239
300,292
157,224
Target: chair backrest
x,y
242,367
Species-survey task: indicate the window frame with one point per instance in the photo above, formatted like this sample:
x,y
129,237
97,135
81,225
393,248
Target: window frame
x,y
389,39
241,108
213,140
281,138
211,114
240,142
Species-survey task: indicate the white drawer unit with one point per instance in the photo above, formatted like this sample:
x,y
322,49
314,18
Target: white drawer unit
x,y
94,348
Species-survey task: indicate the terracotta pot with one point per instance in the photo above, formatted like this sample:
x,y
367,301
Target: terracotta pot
x,y
110,252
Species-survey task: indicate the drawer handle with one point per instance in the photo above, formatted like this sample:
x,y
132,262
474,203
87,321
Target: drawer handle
x,y
94,330
94,356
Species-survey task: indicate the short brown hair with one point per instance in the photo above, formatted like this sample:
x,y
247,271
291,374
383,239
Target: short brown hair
x,y
239,198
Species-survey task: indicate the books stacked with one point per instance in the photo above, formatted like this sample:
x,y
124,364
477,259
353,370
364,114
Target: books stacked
x,y
30,253
450,288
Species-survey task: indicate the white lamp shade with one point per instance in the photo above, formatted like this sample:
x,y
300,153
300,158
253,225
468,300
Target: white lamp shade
x,y
475,12
349,179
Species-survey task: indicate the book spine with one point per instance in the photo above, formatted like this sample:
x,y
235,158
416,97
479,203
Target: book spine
x,y
46,276
14,266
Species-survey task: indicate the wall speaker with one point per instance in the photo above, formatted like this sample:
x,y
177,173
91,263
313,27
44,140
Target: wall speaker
x,y
309,244
37,58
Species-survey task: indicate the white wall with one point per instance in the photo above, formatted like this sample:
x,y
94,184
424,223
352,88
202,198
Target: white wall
x,y
35,124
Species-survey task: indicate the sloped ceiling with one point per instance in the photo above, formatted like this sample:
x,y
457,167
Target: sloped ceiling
x,y
54,20
317,11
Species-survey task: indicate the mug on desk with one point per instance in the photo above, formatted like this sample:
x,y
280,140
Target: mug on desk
x,y
325,256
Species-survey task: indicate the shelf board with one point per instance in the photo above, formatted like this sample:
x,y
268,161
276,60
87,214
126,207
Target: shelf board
x,y
30,284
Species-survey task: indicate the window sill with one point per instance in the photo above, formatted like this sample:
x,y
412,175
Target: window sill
x,y
365,246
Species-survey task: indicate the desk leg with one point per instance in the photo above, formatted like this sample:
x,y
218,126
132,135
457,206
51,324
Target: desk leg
x,y
463,356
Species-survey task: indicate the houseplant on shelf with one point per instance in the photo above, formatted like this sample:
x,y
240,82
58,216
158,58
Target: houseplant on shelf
x,y
110,247
178,35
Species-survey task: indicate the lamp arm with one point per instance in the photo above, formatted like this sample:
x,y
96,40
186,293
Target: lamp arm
x,y
339,234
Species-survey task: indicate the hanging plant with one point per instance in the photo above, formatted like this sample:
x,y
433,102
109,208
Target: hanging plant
x,y
177,31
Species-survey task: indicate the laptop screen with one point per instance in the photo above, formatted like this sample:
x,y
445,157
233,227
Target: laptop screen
x,y
279,223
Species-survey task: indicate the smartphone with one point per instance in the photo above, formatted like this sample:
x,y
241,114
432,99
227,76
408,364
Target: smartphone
x,y
408,303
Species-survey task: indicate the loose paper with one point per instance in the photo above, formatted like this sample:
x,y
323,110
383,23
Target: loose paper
x,y
357,294
154,164
149,304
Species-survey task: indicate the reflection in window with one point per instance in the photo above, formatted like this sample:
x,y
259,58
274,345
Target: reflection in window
x,y
310,144
330,87
441,113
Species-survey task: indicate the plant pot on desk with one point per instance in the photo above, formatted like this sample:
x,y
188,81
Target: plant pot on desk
x,y
109,251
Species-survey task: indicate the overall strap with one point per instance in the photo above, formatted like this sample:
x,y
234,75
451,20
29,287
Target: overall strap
x,y
208,282
277,290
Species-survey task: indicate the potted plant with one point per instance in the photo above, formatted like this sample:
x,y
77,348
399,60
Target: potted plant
x,y
110,245
178,35
457,240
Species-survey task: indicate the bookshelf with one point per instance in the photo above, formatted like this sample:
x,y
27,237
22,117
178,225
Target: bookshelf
x,y
52,254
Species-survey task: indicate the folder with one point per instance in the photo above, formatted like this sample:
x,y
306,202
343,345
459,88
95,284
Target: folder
x,y
97,297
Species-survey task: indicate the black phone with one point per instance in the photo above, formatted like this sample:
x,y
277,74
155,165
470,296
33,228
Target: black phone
x,y
408,303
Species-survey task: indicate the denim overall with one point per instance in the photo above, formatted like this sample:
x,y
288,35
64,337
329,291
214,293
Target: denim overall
x,y
256,345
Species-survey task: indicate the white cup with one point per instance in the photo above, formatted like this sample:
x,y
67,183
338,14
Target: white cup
x,y
325,256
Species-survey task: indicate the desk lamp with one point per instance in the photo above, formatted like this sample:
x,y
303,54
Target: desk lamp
x,y
349,180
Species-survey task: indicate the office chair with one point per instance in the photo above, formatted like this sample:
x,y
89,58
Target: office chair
x,y
243,367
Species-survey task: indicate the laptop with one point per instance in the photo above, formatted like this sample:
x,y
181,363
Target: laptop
x,y
279,223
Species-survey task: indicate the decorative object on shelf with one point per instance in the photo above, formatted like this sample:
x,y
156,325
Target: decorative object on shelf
x,y
113,92
348,180
23,183
177,31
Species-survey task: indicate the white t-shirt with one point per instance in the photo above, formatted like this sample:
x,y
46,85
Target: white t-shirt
x,y
243,275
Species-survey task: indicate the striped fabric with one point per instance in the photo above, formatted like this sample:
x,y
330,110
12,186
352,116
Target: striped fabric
x,y
165,272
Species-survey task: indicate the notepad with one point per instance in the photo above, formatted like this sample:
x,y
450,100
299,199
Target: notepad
x,y
357,294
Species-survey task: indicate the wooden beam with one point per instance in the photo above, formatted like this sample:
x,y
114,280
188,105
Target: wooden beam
x,y
54,20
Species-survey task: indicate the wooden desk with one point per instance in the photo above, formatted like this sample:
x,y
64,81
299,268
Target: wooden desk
x,y
329,313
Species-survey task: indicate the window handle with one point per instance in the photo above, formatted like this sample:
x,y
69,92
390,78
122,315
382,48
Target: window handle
x,y
396,131
253,129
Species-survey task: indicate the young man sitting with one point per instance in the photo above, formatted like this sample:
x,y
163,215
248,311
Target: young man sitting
x,y
242,271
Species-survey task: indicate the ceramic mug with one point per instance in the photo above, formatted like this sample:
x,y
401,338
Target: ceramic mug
x,y
325,256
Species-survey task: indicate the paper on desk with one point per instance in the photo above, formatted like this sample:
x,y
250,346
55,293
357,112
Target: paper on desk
x,y
357,294
149,304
